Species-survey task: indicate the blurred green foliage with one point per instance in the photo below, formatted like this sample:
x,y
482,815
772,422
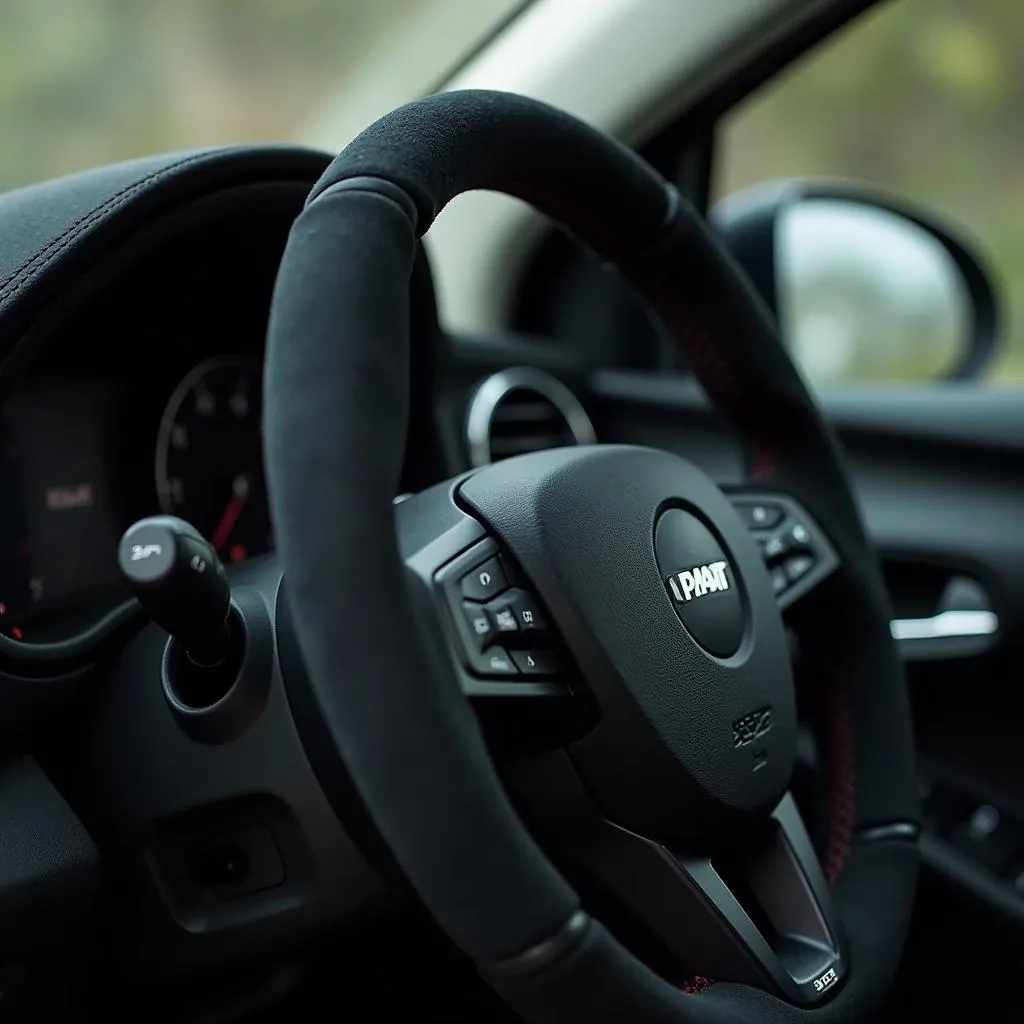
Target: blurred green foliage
x,y
86,82
924,98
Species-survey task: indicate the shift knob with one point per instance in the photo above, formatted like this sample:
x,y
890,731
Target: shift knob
x,y
181,583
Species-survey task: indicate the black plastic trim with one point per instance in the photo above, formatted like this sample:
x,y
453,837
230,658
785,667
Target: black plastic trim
x,y
240,705
703,116
960,413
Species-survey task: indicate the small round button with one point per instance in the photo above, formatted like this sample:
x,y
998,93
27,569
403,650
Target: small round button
x,y
701,582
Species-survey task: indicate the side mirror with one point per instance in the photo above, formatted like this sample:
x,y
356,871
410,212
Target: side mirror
x,y
865,287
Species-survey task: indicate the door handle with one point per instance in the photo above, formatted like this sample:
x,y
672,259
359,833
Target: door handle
x,y
947,625
962,625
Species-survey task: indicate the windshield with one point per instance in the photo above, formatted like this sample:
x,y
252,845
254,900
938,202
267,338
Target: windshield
x,y
88,82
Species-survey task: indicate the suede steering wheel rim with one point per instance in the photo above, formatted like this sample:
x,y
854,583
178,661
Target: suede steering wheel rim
x,y
337,397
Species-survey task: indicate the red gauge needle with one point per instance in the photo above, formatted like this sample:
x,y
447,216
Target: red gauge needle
x,y
227,522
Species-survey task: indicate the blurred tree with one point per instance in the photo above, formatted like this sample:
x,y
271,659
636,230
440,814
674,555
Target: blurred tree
x,y
84,82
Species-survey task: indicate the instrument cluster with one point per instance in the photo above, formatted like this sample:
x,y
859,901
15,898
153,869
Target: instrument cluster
x,y
85,454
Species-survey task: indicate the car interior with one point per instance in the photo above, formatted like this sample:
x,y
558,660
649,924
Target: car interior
x,y
522,617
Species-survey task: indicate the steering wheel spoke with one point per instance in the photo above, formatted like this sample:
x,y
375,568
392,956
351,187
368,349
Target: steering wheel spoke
x,y
796,551
756,912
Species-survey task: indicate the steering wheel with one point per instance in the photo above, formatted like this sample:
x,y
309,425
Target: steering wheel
x,y
667,621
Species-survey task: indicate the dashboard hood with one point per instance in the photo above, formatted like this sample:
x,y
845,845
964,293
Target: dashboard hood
x,y
53,231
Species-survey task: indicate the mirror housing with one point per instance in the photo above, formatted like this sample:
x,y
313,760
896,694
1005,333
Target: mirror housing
x,y
857,276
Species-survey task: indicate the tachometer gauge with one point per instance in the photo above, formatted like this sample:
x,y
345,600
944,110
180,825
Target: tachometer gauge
x,y
209,457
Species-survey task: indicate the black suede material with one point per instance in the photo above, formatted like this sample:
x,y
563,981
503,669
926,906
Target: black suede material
x,y
443,145
336,406
337,384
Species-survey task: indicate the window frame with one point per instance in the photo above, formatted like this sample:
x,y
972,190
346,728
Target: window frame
x,y
685,151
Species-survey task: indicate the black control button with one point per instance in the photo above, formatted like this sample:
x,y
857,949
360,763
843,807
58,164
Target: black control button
x,y
779,580
480,623
798,537
988,837
798,567
761,516
504,615
773,547
485,581
496,662
531,618
536,663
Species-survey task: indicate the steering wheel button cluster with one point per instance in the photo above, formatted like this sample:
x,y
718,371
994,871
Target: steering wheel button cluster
x,y
500,631
796,553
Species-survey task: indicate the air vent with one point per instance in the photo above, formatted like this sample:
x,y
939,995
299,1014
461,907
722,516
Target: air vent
x,y
522,410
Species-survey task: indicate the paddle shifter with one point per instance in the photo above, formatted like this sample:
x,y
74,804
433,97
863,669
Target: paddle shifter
x,y
178,578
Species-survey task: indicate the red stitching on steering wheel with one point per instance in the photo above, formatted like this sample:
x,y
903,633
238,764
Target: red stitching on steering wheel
x,y
842,793
723,383
697,984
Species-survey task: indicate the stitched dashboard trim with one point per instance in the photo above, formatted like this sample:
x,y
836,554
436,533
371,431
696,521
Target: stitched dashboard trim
x,y
19,277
